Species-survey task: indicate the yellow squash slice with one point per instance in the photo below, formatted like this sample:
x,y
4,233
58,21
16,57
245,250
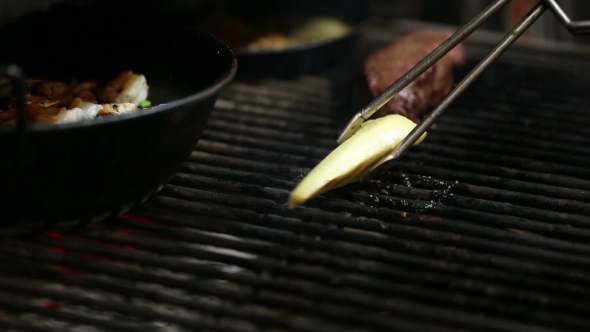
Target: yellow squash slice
x,y
347,162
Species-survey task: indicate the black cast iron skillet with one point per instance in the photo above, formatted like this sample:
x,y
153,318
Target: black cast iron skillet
x,y
88,170
323,57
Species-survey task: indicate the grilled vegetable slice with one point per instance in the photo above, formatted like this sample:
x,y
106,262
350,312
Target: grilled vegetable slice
x,y
347,162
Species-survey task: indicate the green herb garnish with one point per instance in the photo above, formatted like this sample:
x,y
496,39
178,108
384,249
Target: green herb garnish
x,y
145,103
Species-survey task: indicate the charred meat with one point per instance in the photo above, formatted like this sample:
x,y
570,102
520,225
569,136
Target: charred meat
x,y
385,66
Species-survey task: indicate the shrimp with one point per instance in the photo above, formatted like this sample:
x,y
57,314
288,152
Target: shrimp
x,y
67,92
50,111
57,115
127,87
78,110
44,114
85,95
117,109
72,115
7,117
53,89
32,100
38,109
58,102
89,110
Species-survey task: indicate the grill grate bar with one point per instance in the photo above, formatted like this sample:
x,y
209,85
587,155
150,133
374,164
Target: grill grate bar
x,y
551,217
278,170
238,128
512,149
423,207
533,106
381,241
500,117
247,295
126,288
272,300
262,101
11,324
13,304
249,184
422,187
500,181
554,204
513,138
491,159
279,196
464,155
450,200
405,308
312,86
428,296
487,163
451,273
504,177
454,129
255,142
312,129
243,152
252,110
404,275
276,269
24,287
320,98
411,232
496,126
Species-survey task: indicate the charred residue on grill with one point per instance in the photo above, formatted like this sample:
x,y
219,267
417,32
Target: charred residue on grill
x,y
415,194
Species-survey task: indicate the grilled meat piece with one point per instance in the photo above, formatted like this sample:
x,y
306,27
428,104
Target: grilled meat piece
x,y
388,64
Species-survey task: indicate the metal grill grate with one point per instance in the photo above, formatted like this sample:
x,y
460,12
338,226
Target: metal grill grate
x,y
483,227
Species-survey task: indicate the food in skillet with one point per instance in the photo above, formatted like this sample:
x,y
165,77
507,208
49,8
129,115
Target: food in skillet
x,y
58,102
385,66
241,35
361,151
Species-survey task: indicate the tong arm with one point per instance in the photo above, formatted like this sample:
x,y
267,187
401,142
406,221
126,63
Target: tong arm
x,y
574,27
388,161
355,123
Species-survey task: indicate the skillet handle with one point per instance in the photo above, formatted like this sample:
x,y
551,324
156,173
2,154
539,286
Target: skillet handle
x,y
17,76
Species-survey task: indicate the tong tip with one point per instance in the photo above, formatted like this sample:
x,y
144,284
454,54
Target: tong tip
x,y
353,125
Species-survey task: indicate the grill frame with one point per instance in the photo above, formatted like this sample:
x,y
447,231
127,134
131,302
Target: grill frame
x,y
427,246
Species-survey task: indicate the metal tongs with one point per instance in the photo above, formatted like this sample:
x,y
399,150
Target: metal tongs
x,y
576,28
